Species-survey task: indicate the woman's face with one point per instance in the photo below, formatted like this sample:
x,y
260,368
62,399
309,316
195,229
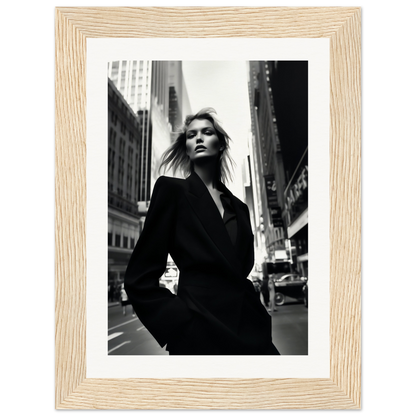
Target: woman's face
x,y
202,140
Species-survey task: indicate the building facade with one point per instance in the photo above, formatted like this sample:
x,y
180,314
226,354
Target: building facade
x,y
133,80
124,162
265,151
278,160
289,83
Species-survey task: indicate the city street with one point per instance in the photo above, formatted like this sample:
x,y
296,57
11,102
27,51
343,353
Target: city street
x,y
128,336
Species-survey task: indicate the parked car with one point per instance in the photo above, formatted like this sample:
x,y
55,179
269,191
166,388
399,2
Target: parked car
x,y
289,285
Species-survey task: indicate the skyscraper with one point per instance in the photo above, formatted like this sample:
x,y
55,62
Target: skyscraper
x,y
133,80
179,106
170,104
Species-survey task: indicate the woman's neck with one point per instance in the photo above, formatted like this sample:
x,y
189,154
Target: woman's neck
x,y
207,173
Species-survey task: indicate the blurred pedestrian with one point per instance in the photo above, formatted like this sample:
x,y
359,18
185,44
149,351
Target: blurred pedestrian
x,y
124,299
272,293
207,231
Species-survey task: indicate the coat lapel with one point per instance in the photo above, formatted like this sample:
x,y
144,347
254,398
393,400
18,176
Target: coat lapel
x,y
207,212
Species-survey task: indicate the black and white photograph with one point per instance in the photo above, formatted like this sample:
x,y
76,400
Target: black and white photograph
x,y
207,207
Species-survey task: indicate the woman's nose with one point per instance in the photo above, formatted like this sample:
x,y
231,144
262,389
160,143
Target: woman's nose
x,y
199,137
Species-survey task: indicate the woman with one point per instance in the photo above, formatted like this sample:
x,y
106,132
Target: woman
x,y
207,232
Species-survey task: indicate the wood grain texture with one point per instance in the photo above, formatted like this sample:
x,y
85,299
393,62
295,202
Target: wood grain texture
x,y
70,211
208,394
343,389
206,22
345,199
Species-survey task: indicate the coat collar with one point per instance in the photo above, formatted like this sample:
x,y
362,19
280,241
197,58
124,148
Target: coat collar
x,y
207,212
197,187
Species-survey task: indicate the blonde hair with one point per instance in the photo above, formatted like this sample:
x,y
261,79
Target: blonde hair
x,y
176,158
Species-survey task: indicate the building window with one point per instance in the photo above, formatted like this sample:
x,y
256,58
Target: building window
x,y
118,240
131,242
123,128
110,239
125,242
114,118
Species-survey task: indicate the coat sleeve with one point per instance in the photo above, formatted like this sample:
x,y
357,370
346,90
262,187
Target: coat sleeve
x,y
160,311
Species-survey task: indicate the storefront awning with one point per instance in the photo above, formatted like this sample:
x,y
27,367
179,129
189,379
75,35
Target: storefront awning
x,y
298,224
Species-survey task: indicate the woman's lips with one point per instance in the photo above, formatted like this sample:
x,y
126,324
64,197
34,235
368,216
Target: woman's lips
x,y
200,148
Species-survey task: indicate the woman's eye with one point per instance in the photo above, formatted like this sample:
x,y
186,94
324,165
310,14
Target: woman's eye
x,y
209,133
191,135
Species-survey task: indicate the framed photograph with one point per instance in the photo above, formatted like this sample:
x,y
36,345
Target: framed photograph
x,y
264,109
285,84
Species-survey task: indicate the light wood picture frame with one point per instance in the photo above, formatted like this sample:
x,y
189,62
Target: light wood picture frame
x,y
342,26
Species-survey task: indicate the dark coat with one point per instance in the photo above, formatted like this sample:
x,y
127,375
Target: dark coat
x,y
216,309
